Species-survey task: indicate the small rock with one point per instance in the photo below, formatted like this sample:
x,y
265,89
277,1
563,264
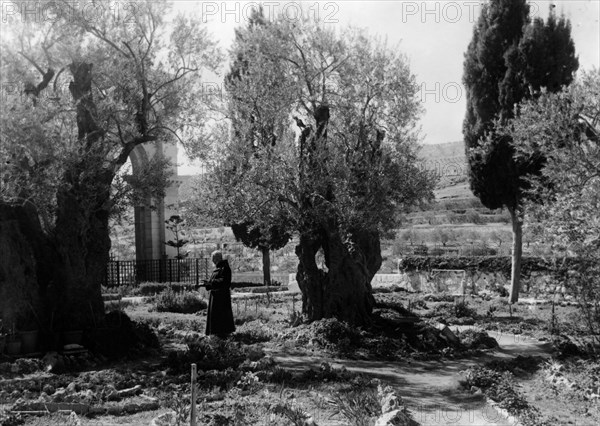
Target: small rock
x,y
44,397
72,387
447,334
395,418
389,400
49,389
87,396
476,390
59,395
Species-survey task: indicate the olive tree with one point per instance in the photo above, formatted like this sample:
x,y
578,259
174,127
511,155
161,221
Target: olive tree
x,y
339,112
88,92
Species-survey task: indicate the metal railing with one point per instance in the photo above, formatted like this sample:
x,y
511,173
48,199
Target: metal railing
x,y
132,272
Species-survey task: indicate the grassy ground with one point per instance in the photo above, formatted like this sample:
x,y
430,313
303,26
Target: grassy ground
x,y
240,384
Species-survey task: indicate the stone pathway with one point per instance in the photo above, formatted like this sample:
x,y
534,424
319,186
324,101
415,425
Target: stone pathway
x,y
431,388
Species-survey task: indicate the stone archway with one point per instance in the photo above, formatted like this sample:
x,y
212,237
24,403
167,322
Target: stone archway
x,y
150,231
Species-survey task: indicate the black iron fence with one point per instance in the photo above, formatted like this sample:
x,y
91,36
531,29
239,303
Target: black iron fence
x,y
132,272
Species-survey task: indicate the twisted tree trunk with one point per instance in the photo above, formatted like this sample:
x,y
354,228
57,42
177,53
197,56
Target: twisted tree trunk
x,y
342,288
62,269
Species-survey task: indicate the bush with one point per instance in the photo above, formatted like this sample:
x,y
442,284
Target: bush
x,y
437,252
330,333
473,217
209,354
463,310
479,263
477,339
421,250
183,303
150,289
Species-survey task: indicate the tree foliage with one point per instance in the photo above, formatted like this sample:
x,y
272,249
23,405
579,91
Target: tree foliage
x,y
293,70
324,145
88,93
565,128
509,59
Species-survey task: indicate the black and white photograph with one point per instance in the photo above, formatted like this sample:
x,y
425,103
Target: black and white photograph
x,y
303,213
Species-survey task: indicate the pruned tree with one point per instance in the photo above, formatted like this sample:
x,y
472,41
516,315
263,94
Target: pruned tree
x,y
509,59
338,177
128,84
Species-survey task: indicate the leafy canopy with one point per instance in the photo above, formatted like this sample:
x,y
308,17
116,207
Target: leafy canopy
x,y
361,174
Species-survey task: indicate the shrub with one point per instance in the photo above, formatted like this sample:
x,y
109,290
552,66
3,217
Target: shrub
x,y
359,406
463,310
209,354
150,289
473,217
330,333
477,339
183,303
437,252
421,250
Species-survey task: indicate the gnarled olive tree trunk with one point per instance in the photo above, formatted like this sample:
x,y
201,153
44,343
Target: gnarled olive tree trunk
x,y
342,287
63,268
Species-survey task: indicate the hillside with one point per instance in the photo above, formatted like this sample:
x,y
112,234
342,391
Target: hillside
x,y
449,162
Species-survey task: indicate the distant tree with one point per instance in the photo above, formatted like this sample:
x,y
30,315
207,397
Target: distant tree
x,y
499,237
273,238
441,236
509,59
409,235
176,225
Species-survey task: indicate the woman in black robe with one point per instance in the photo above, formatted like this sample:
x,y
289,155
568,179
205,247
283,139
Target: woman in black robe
x,y
219,319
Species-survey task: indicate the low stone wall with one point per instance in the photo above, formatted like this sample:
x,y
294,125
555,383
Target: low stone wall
x,y
458,282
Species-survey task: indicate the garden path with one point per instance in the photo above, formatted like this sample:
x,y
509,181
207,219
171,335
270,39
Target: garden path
x,y
431,389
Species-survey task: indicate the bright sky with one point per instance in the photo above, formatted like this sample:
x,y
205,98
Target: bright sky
x,y
433,34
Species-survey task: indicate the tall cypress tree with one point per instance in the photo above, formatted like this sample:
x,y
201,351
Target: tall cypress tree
x,y
509,59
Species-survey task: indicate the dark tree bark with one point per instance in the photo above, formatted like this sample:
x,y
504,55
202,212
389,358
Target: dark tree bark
x,y
69,260
342,288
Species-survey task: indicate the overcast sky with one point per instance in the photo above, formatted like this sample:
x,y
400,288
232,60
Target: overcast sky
x,y
433,34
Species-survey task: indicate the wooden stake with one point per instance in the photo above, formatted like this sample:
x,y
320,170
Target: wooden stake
x,y
193,414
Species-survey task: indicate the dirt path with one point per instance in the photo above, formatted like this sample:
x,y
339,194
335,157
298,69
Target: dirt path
x,y
431,388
